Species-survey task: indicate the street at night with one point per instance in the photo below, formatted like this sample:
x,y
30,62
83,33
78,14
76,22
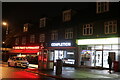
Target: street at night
x,y
68,73
60,40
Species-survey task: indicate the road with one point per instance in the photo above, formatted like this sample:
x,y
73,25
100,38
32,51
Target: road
x,y
11,73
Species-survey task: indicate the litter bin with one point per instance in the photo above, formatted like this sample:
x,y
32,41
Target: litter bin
x,y
116,66
59,64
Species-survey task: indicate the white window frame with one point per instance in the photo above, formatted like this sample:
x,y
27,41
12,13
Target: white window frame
x,y
54,35
23,40
32,38
16,41
67,15
113,25
42,38
42,22
88,28
103,6
69,33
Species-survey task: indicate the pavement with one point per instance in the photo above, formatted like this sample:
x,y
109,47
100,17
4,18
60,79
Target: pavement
x,y
80,73
75,74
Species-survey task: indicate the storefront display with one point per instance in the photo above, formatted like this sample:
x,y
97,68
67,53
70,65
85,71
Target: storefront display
x,y
63,50
66,56
85,57
30,52
100,49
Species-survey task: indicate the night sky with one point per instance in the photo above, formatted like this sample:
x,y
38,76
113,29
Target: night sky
x,y
19,13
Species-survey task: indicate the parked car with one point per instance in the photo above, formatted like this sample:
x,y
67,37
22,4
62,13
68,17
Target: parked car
x,y
18,62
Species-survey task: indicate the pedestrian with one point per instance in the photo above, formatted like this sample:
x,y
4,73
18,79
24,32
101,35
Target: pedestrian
x,y
110,63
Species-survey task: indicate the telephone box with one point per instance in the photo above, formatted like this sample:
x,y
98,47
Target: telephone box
x,y
45,60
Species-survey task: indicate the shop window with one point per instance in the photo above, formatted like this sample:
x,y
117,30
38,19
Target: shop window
x,y
87,29
54,35
23,40
110,27
42,22
67,57
86,55
102,7
69,33
42,38
16,41
67,15
32,39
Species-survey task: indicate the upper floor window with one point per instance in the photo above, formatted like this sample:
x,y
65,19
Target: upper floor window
x,y
25,28
69,33
54,35
42,22
16,41
102,7
23,40
67,15
87,29
110,27
32,39
42,38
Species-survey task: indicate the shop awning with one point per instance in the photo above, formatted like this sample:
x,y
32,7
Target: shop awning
x,y
30,51
24,51
16,51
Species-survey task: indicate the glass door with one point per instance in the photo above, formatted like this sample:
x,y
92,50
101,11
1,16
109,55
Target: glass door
x,y
98,57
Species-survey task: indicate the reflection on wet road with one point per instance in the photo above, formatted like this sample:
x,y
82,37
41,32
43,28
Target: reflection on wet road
x,y
17,73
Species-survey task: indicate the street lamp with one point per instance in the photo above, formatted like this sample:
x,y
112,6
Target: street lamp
x,y
3,42
6,24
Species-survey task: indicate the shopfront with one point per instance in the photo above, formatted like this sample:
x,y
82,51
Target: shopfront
x,y
95,52
64,51
30,52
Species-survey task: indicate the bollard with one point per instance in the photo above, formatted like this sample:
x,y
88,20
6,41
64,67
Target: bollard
x,y
59,64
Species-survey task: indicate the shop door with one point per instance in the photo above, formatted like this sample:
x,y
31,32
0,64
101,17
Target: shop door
x,y
98,58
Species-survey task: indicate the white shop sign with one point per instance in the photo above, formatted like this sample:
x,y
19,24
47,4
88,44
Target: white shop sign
x,y
61,44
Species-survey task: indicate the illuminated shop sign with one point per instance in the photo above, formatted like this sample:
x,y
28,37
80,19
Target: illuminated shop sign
x,y
26,47
98,41
61,44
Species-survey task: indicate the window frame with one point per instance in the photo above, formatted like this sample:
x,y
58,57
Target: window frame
x,y
54,35
67,15
42,22
69,33
111,24
23,40
17,41
42,37
102,7
88,29
32,38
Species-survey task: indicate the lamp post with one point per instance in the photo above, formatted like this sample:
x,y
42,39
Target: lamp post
x,y
4,43
6,24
